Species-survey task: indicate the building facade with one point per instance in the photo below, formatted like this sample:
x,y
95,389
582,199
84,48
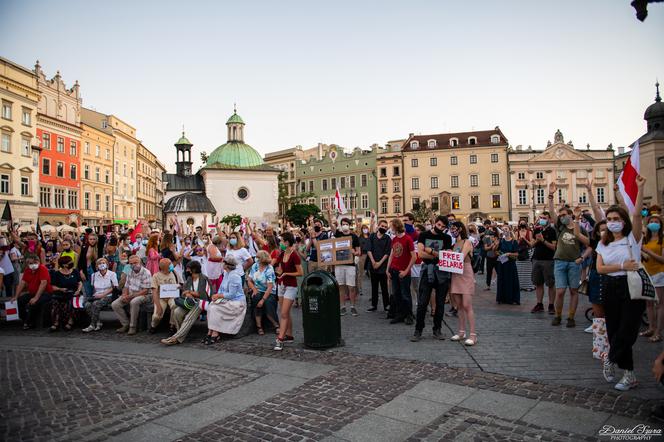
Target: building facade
x,y
353,173
389,173
124,194
531,171
146,184
160,189
59,129
97,175
19,145
463,173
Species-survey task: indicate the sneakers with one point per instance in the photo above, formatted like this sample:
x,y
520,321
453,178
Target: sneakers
x,y
396,320
539,307
437,334
98,326
452,312
557,320
343,311
417,336
89,328
170,341
289,338
353,310
122,329
552,309
372,309
278,345
609,370
627,382
458,337
570,323
589,329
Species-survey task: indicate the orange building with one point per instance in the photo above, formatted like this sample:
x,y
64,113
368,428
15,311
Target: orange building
x,y
59,131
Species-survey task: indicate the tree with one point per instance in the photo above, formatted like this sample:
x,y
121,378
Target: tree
x,y
299,213
232,220
204,157
423,213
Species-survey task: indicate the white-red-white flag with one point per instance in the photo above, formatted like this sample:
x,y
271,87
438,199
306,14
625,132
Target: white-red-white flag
x,y
627,179
11,310
78,302
339,202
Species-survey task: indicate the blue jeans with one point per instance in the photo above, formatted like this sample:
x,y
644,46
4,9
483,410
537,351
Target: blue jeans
x,y
403,304
567,274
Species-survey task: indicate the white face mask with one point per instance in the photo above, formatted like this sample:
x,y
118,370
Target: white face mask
x,y
365,231
102,267
345,228
33,266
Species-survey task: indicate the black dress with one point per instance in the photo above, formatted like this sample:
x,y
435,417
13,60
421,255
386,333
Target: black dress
x,y
508,291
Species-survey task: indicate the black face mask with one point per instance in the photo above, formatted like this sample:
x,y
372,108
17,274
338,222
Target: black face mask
x,y
438,231
316,229
382,230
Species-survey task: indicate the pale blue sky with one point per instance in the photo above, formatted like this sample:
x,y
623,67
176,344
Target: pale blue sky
x,y
349,72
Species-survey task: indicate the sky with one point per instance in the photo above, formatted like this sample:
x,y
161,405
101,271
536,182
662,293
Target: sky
x,y
353,73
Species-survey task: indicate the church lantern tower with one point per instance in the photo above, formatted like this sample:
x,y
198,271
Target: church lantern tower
x,y
183,163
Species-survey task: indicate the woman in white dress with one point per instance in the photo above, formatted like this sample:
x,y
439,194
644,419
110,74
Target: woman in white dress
x,y
229,306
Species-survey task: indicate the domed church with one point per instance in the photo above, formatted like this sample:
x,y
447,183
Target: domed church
x,y
233,180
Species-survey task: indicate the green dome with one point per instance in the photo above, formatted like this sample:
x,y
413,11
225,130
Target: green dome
x,y
235,118
235,154
183,140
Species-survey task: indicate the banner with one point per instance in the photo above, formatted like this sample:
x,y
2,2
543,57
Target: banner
x,y
450,261
11,310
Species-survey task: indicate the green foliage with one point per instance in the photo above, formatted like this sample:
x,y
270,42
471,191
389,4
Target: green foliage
x,y
204,157
423,213
299,213
232,220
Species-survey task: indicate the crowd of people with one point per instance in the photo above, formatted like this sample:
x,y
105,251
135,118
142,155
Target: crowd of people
x,y
222,275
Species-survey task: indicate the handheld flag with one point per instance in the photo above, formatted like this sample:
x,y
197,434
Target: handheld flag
x,y
627,179
7,216
339,202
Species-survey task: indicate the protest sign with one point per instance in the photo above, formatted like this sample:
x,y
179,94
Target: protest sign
x,y
449,261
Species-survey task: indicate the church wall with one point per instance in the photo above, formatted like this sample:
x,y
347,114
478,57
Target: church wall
x,y
222,188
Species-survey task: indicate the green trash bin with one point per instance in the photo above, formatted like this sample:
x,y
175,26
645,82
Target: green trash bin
x,y
320,310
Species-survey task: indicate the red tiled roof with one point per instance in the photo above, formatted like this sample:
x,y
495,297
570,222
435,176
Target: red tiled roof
x,y
443,140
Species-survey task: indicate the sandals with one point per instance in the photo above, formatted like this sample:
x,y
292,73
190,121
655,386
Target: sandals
x,y
261,332
212,340
459,336
655,338
471,341
648,333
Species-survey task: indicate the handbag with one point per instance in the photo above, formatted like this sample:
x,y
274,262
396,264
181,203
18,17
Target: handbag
x,y
583,287
639,283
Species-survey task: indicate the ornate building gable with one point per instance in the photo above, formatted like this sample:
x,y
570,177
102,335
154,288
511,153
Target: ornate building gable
x,y
561,152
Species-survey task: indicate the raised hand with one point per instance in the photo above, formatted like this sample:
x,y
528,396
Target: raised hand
x,y
640,181
552,187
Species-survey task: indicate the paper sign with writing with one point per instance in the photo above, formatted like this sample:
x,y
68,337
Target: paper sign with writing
x,y
169,291
11,310
335,251
449,261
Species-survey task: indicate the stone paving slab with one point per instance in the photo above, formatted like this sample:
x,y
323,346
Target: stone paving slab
x,y
373,427
566,418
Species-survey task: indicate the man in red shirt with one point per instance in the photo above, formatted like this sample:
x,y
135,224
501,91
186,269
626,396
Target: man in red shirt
x,y
402,257
34,291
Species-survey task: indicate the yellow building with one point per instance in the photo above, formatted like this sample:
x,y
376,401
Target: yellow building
x,y
531,171
160,190
146,165
462,173
389,173
97,175
19,146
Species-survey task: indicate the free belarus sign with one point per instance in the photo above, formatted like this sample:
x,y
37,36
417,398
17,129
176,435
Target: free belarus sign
x,y
450,261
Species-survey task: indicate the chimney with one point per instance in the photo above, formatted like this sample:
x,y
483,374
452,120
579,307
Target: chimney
x,y
411,135
621,150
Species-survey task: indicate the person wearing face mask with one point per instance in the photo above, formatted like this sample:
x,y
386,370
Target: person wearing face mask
x,y
66,284
7,268
409,224
152,254
431,278
165,275
490,243
507,287
67,250
380,245
653,251
543,243
316,233
523,262
567,260
237,250
103,281
345,273
598,327
619,251
363,236
134,293
33,292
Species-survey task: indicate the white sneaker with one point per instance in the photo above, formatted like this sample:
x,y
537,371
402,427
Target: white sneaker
x,y
609,370
98,326
458,337
278,345
627,382
89,328
589,329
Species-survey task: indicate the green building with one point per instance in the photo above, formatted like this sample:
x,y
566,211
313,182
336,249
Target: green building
x,y
353,173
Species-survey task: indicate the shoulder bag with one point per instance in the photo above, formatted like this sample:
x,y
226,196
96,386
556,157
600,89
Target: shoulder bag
x,y
639,283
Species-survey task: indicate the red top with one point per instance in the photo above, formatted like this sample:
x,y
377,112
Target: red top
x,y
33,278
401,248
289,267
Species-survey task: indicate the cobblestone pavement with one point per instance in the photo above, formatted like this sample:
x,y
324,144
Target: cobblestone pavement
x,y
525,380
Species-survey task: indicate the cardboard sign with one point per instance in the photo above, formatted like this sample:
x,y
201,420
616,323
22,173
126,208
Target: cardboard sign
x,y
169,291
450,261
11,310
335,251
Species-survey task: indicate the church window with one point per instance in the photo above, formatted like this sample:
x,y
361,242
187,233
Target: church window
x,y
243,193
